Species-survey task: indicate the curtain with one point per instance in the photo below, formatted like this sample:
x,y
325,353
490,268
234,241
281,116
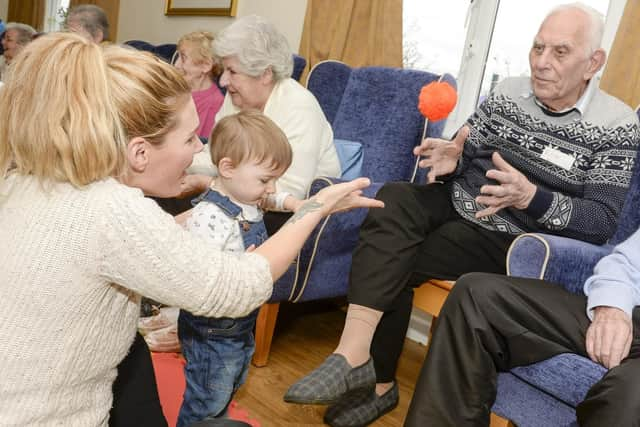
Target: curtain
x,y
357,32
29,12
621,77
110,7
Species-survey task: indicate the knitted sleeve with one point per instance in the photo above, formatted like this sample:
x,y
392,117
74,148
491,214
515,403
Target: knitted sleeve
x,y
141,248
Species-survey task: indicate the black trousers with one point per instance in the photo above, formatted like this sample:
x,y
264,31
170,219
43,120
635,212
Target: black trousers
x,y
492,323
135,393
417,236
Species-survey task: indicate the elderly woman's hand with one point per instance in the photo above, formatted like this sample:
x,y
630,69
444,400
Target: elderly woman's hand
x,y
338,198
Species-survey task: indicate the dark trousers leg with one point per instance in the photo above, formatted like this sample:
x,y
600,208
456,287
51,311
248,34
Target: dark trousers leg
x,y
135,393
492,323
416,237
615,400
389,337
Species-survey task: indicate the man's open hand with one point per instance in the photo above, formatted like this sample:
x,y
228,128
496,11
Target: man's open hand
x,y
514,189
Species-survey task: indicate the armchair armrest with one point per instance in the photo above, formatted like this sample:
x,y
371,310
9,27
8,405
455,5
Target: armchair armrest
x,y
556,259
325,259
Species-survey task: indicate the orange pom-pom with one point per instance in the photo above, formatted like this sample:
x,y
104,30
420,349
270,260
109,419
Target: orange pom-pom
x,y
437,100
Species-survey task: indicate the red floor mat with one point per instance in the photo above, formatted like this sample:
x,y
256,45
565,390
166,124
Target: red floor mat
x,y
169,369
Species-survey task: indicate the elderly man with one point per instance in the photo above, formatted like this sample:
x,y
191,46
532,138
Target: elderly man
x,y
493,322
549,153
90,21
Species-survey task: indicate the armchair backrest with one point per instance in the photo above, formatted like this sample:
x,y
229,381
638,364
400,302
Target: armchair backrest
x,y
629,220
378,107
164,51
298,66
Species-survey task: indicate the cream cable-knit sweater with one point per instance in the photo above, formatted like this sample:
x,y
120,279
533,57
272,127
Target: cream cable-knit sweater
x,y
64,324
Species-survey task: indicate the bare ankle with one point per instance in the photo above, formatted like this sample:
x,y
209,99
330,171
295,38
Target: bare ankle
x,y
354,359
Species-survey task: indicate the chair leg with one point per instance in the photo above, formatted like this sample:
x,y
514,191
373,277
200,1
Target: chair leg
x,y
498,421
265,325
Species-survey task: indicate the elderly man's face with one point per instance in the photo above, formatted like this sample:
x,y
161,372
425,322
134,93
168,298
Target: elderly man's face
x,y
561,65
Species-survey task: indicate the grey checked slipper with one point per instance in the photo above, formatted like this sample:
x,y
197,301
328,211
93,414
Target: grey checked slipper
x,y
332,381
362,410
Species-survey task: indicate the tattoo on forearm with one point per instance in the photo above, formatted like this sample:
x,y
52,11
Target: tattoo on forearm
x,y
307,207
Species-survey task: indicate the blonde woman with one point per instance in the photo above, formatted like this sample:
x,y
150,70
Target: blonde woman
x,y
195,61
80,245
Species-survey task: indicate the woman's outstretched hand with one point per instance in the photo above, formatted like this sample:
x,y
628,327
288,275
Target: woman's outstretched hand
x,y
338,198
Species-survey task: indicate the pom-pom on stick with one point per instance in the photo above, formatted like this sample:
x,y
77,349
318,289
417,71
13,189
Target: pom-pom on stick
x,y
437,100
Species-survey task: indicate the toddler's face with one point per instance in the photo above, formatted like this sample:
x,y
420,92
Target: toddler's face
x,y
252,181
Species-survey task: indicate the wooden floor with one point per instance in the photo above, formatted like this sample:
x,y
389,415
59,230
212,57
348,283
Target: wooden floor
x,y
306,334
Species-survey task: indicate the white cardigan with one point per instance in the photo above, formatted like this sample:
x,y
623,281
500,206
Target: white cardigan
x,y
64,322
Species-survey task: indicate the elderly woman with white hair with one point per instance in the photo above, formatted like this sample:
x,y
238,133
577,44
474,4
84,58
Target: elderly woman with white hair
x,y
16,36
257,64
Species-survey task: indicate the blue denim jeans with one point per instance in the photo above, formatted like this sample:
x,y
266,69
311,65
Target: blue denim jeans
x,y
218,352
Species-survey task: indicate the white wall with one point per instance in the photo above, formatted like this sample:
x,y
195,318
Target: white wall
x,y
145,20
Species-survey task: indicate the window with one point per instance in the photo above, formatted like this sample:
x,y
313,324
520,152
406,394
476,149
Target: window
x,y
56,11
433,41
481,41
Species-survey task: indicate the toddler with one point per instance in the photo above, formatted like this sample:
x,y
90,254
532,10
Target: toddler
x,y
250,152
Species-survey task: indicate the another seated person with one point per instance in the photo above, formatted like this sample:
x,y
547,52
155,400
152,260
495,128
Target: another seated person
x,y
195,61
251,153
506,322
16,36
257,64
89,21
549,153
117,123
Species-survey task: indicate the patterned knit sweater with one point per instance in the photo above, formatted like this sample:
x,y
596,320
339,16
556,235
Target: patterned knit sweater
x,y
74,263
581,199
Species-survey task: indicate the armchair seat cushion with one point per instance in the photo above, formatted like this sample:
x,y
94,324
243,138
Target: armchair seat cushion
x,y
568,377
528,406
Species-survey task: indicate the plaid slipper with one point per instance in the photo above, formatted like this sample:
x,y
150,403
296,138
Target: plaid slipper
x,y
332,381
362,410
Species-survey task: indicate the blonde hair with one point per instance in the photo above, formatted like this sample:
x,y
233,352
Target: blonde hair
x,y
83,106
148,92
250,135
201,42
59,121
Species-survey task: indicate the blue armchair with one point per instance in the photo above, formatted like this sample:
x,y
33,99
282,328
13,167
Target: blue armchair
x,y
546,393
164,51
377,107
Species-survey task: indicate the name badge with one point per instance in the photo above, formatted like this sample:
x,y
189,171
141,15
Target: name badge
x,y
558,158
